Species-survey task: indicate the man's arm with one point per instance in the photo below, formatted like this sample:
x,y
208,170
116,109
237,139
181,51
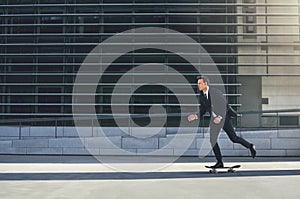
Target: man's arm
x,y
198,115
219,105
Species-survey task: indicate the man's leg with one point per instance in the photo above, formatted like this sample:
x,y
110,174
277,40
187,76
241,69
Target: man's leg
x,y
217,152
228,128
214,133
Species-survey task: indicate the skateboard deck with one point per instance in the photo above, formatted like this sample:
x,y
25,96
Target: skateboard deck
x,y
230,169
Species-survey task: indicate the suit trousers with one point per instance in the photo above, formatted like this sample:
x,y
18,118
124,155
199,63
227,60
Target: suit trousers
x,y
228,128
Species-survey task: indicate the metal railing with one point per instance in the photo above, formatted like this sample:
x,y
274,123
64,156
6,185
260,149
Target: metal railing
x,y
269,119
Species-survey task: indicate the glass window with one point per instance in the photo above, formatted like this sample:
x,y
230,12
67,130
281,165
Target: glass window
x,y
20,79
117,9
150,19
50,79
50,68
20,39
51,1
21,109
51,20
116,28
20,49
88,1
117,19
20,89
50,59
87,39
93,22
21,10
22,99
23,29
22,20
21,59
51,29
51,39
51,49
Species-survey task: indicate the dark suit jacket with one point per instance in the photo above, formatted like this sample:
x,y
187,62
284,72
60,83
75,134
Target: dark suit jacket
x,y
216,103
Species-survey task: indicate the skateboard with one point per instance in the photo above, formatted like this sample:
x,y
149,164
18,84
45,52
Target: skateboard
x,y
229,169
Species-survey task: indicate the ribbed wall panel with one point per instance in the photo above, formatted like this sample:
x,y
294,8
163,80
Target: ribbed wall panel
x,y
44,42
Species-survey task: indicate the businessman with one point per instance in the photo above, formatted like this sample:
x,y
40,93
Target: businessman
x,y
212,101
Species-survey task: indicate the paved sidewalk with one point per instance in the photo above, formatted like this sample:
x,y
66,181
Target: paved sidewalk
x,y
51,177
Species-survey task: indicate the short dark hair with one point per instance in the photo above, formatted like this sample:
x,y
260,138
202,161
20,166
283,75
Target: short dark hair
x,y
204,78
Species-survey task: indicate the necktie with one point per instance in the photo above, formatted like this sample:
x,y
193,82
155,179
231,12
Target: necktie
x,y
205,95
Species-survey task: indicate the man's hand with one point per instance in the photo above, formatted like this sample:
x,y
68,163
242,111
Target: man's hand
x,y
192,118
217,120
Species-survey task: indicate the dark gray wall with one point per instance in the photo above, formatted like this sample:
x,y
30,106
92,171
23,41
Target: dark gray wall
x,y
250,99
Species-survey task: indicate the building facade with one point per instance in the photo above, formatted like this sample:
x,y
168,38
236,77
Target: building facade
x,y
254,43
268,60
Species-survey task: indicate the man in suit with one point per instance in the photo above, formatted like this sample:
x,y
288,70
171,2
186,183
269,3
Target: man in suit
x,y
212,101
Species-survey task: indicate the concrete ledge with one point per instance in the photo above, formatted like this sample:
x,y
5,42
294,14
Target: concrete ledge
x,y
110,131
190,152
289,134
136,143
118,152
44,151
81,151
176,142
262,143
9,131
258,134
72,131
283,143
25,131
271,153
293,153
42,143
66,142
42,131
9,138
37,138
242,153
6,144
164,152
185,130
146,132
103,142
13,151
225,144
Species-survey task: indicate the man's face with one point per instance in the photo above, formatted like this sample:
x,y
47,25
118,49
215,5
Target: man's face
x,y
202,85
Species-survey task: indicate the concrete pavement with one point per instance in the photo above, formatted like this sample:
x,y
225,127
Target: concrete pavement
x,y
52,177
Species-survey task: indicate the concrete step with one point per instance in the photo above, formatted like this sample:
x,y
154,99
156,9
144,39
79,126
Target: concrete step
x,y
46,131
267,144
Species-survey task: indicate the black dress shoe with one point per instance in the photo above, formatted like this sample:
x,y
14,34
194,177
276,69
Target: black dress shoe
x,y
253,151
218,165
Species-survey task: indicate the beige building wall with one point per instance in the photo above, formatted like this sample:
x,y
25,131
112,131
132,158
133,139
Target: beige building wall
x,y
272,51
